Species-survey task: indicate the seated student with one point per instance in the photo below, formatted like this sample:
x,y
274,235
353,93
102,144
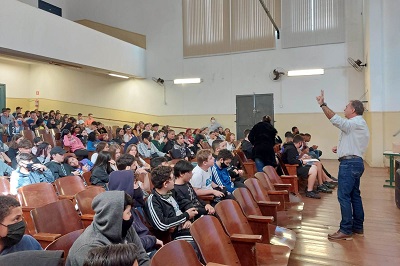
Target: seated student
x,y
230,144
157,141
13,146
128,133
92,141
119,136
89,120
137,130
74,143
162,209
3,156
102,146
43,152
5,169
184,190
132,150
220,174
16,127
124,180
217,146
201,180
147,149
290,156
92,127
246,145
79,120
80,166
28,173
180,150
24,146
211,137
57,166
12,228
170,142
115,151
36,143
115,254
101,169
112,224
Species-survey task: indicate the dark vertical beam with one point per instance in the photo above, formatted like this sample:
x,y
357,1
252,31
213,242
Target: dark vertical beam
x,y
270,17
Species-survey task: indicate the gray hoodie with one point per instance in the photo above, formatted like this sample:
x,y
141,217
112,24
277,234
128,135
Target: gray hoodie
x,y
105,229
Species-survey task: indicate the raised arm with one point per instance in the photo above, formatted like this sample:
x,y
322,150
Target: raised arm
x,y
321,101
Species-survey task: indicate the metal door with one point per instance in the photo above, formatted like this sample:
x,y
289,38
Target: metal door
x,y
250,109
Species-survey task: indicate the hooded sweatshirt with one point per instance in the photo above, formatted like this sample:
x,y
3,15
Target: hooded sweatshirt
x,y
106,229
123,181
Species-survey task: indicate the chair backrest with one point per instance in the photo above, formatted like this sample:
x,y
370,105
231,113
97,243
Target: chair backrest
x,y
28,134
40,132
232,217
49,138
36,195
4,186
177,252
281,163
85,197
65,242
264,181
69,185
247,202
87,176
256,189
242,157
272,174
59,217
205,145
214,244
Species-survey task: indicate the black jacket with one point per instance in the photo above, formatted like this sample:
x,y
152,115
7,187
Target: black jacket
x,y
262,136
290,154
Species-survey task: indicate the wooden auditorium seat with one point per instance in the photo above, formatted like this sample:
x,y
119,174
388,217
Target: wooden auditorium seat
x,y
68,186
54,220
28,134
238,249
84,200
4,186
86,176
260,193
49,138
277,235
287,169
33,196
65,242
248,165
290,218
177,252
205,145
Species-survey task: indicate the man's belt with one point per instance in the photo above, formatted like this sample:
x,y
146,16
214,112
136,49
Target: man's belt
x,y
348,157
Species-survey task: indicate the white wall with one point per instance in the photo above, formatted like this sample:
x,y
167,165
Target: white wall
x,y
16,77
226,76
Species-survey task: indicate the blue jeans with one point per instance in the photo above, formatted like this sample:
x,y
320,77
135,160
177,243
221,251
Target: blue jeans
x,y
259,164
349,197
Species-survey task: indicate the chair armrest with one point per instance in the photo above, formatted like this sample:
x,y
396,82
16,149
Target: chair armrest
x,y
27,209
46,237
278,192
282,186
246,238
269,203
68,197
87,217
260,219
206,197
215,264
287,176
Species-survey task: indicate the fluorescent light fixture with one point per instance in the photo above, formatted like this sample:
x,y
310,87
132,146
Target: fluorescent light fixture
x,y
187,81
118,76
305,72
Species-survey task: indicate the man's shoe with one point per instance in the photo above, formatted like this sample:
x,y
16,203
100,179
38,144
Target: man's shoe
x,y
339,236
330,185
312,194
333,178
358,232
324,189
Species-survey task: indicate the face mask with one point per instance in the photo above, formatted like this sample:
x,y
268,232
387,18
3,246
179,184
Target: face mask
x,y
15,233
126,224
224,165
20,122
212,121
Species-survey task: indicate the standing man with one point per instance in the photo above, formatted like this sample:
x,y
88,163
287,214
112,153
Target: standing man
x,y
353,142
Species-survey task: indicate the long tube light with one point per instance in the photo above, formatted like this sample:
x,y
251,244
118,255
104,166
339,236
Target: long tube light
x,y
187,81
305,72
118,76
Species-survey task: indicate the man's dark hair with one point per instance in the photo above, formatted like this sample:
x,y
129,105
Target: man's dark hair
x,y
225,155
289,134
146,135
6,204
37,140
307,134
25,143
246,132
155,135
124,161
215,144
182,167
159,175
358,107
127,201
32,112
115,254
297,139
177,136
294,128
94,123
154,162
267,118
